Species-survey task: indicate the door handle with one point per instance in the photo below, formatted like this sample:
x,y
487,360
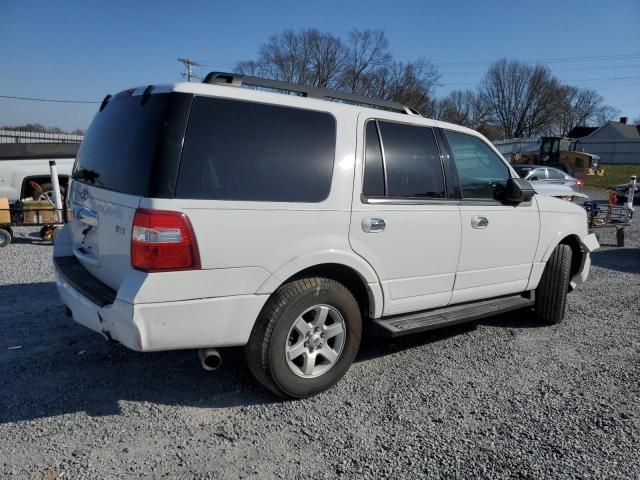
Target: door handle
x,y
373,225
479,222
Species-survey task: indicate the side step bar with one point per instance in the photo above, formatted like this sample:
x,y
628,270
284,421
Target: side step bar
x,y
398,325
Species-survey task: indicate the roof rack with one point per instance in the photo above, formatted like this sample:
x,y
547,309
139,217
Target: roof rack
x,y
237,80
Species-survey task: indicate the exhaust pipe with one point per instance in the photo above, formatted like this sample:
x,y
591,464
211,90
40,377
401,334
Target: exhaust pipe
x,y
210,358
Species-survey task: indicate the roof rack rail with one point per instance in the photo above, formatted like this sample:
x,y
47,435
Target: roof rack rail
x,y
237,80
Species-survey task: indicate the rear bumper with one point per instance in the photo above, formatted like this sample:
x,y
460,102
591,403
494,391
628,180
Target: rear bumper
x,y
199,323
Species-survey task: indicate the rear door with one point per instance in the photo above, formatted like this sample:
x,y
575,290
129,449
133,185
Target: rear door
x,y
498,240
125,155
404,221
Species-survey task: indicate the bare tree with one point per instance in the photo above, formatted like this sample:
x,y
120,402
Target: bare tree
x,y
308,57
581,107
367,54
522,98
464,108
361,65
604,114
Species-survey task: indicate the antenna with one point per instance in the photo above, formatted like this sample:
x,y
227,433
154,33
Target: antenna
x,y
189,64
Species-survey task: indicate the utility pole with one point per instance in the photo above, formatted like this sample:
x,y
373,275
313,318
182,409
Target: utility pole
x,y
189,64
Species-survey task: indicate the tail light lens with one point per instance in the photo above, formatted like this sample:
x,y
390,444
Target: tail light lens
x,y
579,182
163,241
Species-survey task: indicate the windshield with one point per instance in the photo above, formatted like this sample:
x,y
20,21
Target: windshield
x,y
118,149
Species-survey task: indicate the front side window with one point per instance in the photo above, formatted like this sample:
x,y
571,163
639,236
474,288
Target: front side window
x,y
412,165
237,150
481,171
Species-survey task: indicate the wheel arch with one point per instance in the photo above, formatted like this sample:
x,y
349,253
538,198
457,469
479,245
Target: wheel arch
x,y
350,270
573,241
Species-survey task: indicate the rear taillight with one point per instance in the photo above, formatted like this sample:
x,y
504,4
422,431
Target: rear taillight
x,y
163,241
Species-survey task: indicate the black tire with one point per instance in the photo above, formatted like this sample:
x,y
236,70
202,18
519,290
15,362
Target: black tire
x,y
620,237
5,237
551,294
265,352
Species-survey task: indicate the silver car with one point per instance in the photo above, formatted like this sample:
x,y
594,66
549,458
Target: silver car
x,y
548,175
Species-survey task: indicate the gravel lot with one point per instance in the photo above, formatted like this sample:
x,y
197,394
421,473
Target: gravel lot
x,y
501,398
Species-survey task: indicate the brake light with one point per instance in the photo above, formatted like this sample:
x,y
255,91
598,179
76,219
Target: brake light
x,y
579,181
163,241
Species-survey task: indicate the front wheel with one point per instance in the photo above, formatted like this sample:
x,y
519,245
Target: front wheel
x,y
306,337
551,294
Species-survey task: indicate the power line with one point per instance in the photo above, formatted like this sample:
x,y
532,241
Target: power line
x,y
46,99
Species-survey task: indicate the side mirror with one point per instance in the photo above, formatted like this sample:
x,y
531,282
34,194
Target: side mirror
x,y
518,190
533,179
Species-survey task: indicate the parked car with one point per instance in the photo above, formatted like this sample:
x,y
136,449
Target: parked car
x,y
548,175
25,172
622,192
220,214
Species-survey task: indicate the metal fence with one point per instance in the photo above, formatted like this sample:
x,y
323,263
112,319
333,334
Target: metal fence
x,y
17,136
620,151
611,152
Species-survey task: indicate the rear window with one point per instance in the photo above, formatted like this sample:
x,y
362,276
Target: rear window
x,y
119,147
236,150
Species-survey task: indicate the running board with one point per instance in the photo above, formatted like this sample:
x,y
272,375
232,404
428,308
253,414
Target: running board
x,y
399,325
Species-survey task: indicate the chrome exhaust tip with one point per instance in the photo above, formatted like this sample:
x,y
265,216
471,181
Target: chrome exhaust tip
x,y
210,358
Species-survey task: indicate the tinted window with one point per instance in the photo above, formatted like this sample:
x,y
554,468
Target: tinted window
x,y
480,169
120,145
413,162
238,150
373,185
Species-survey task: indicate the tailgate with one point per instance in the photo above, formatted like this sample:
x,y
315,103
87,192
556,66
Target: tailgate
x,y
101,231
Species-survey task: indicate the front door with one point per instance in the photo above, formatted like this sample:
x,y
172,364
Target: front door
x,y
404,222
498,240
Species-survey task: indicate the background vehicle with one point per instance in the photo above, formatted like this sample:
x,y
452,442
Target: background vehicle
x,y
622,192
24,168
548,175
217,214
556,152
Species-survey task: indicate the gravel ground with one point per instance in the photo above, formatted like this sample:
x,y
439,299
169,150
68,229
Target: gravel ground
x,y
501,398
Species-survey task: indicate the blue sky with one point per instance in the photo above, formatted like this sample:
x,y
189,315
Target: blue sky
x,y
84,50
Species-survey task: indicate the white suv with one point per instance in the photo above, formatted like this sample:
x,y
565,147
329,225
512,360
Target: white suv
x,y
228,213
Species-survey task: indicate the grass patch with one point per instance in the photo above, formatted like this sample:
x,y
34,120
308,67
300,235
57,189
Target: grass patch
x,y
613,175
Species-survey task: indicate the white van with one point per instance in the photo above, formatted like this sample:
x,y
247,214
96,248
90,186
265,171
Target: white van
x,y
288,219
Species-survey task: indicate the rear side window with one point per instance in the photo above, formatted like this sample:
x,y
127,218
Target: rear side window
x,y
120,145
237,150
412,160
374,183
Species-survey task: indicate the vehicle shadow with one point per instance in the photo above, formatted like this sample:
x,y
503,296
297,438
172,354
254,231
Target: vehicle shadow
x,y
51,366
31,238
626,260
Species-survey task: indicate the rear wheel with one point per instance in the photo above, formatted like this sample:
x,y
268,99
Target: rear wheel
x,y
306,337
551,294
5,237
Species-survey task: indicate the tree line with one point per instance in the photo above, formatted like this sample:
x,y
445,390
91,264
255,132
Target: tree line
x,y
513,99
39,128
